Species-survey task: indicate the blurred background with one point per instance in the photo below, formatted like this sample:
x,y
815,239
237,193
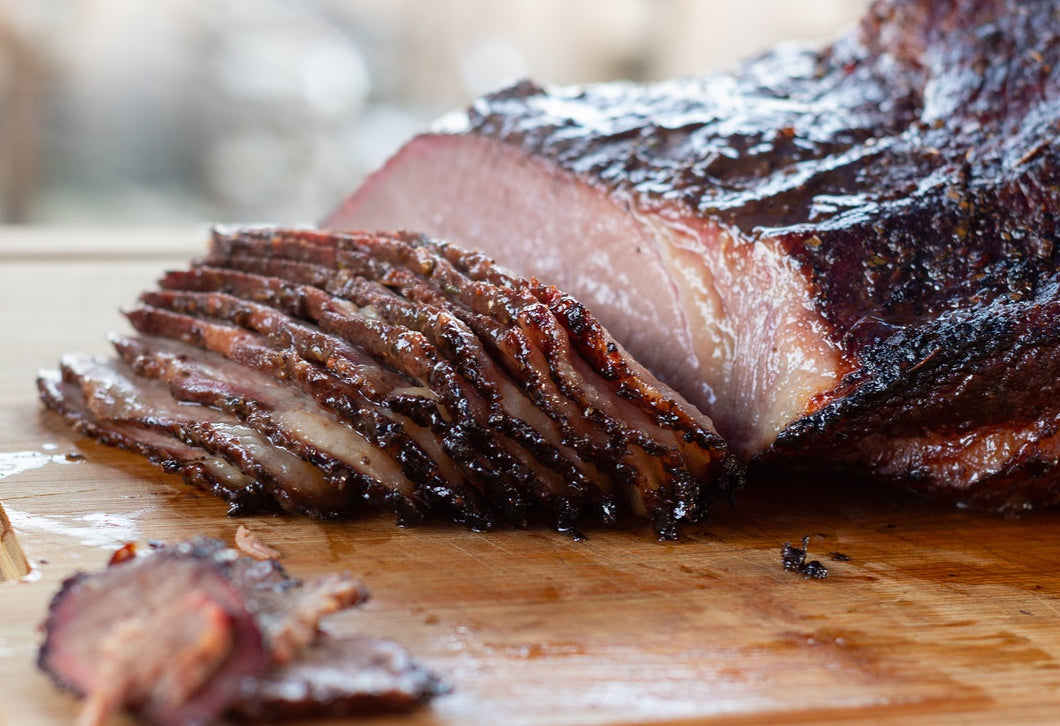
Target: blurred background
x,y
126,112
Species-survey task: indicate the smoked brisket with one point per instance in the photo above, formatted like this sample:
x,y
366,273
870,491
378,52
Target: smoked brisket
x,y
846,256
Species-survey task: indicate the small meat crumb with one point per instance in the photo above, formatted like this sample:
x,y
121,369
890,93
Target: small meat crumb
x,y
794,559
253,546
126,552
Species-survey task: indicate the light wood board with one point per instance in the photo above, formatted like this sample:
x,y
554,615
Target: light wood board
x,y
939,615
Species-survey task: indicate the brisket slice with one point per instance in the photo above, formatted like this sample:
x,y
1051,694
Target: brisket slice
x,y
190,632
845,256
438,481
168,636
243,492
113,393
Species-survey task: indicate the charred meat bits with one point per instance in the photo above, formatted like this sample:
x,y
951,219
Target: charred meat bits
x,y
187,633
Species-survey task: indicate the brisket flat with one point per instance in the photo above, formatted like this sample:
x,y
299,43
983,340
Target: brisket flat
x,y
845,255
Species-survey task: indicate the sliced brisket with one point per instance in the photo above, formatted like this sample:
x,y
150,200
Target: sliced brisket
x,y
845,256
328,370
353,468
641,438
436,481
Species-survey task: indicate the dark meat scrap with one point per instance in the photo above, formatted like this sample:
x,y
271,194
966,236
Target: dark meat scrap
x,y
844,256
794,558
189,632
167,636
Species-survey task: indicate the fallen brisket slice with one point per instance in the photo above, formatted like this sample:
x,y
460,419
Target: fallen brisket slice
x,y
845,256
188,632
168,636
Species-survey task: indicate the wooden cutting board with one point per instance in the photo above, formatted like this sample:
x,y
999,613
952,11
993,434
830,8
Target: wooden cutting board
x,y
939,615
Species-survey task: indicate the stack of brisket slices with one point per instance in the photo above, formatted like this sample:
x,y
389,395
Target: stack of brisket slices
x,y
331,370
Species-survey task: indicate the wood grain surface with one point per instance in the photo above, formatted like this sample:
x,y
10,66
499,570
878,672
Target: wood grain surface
x,y
938,615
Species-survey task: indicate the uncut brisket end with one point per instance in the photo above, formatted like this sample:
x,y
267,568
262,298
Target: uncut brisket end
x,y
844,255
